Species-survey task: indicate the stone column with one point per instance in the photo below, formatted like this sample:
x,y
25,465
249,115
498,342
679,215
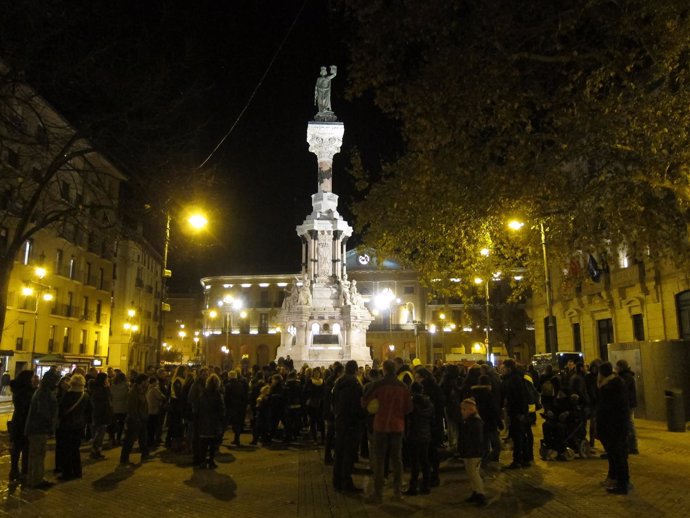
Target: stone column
x,y
325,139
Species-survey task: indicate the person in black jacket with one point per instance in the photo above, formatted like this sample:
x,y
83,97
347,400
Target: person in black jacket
x,y
491,417
22,391
514,395
628,378
471,448
419,436
236,399
211,421
438,400
348,419
612,424
72,420
328,411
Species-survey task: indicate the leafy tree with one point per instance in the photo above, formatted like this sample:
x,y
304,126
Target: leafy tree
x,y
572,114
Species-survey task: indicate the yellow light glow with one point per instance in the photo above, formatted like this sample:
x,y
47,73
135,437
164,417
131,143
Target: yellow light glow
x,y
477,346
48,296
485,252
135,328
442,316
391,347
131,313
40,272
243,314
182,334
515,224
478,280
213,313
27,291
127,325
197,221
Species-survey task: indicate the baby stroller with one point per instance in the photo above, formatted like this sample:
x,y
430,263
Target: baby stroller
x,y
565,433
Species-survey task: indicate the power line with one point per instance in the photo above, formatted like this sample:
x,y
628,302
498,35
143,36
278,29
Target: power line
x,y
256,88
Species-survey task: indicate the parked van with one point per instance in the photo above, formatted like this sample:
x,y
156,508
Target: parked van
x,y
540,361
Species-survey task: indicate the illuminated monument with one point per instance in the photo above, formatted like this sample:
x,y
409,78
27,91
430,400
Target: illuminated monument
x,y
323,318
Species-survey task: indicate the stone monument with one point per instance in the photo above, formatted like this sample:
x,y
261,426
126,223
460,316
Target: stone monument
x,y
323,318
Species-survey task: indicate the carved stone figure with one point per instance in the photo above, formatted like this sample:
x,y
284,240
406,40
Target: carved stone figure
x,y
355,297
345,292
304,297
291,295
322,94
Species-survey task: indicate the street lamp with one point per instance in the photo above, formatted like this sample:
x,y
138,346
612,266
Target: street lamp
x,y
551,329
196,221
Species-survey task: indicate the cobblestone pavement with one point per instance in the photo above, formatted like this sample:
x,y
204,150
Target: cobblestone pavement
x,y
294,482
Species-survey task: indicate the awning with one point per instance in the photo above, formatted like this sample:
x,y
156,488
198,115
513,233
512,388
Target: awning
x,y
6,352
51,358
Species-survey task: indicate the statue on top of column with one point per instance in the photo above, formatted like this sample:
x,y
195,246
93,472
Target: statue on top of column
x,y
322,95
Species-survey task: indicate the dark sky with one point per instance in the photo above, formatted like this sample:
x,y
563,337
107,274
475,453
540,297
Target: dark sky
x,y
265,173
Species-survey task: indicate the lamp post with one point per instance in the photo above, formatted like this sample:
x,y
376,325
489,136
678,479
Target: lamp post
x,y
196,221
230,304
550,328
42,292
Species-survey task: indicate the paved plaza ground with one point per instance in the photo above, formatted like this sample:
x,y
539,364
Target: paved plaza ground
x,y
293,482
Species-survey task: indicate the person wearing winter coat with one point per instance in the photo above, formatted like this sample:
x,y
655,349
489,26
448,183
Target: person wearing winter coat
x,y
175,437
211,421
349,425
119,394
628,377
22,392
101,412
236,400
72,421
41,422
154,401
491,418
514,395
419,437
472,449
137,417
613,420
313,397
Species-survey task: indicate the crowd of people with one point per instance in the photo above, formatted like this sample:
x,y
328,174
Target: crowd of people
x,y
396,414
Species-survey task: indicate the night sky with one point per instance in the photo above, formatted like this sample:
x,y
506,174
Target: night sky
x,y
265,171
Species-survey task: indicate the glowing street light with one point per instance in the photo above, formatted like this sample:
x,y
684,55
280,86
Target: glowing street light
x,y
517,225
197,221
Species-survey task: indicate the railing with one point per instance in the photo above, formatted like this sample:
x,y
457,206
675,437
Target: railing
x,y
627,277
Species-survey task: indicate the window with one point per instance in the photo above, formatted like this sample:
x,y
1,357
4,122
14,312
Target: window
x,y
82,342
72,267
96,342
59,258
70,302
85,309
66,335
65,190
263,323
638,327
21,329
101,278
264,299
577,337
408,290
99,308
27,251
87,273
51,339
683,309
604,336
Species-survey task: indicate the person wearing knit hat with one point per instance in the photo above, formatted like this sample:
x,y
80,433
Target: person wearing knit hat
x,y
72,421
471,449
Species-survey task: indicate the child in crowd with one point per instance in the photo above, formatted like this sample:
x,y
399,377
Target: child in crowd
x,y
471,448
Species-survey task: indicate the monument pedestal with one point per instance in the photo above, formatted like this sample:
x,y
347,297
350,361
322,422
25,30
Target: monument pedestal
x,y
324,319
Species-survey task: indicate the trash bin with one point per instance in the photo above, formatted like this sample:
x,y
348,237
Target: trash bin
x,y
675,410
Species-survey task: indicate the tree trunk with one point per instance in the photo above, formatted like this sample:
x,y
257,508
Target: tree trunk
x,y
6,265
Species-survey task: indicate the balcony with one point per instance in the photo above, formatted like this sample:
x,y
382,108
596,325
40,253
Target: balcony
x,y
590,287
628,277
139,282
